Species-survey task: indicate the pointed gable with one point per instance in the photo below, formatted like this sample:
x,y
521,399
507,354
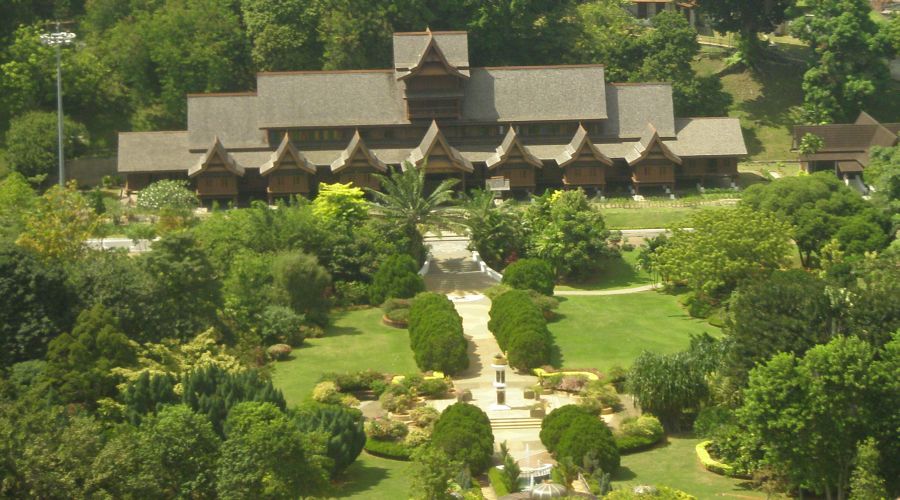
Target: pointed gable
x,y
578,146
286,154
357,149
415,60
434,143
216,155
510,146
649,142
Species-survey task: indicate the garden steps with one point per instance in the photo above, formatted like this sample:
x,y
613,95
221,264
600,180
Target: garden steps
x,y
516,423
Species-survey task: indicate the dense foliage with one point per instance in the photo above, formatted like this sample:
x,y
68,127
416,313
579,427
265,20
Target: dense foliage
x,y
396,278
167,194
667,385
557,421
589,442
343,427
31,143
521,330
464,433
530,274
436,334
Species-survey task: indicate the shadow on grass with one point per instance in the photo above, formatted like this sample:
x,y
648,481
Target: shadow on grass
x,y
337,331
614,272
364,478
556,357
780,90
623,473
754,145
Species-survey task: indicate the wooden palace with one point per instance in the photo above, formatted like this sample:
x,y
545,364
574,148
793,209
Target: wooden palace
x,y
524,129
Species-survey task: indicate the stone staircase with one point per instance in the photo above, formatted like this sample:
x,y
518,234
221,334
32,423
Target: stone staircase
x,y
516,423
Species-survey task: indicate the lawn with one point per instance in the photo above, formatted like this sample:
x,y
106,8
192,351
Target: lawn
x,y
644,218
676,465
605,331
373,478
356,340
616,273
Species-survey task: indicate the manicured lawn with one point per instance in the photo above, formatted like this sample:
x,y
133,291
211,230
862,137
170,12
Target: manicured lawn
x,y
356,340
644,218
373,478
676,465
616,273
605,331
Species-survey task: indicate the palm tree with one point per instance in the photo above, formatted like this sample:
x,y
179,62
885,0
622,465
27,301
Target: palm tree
x,y
403,200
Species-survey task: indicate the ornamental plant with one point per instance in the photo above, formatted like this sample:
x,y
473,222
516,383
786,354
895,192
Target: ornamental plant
x,y
464,433
167,194
530,274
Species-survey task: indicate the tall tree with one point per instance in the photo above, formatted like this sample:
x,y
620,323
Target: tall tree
x,y
17,198
301,283
283,34
667,385
32,147
747,18
60,224
850,72
404,200
866,482
516,32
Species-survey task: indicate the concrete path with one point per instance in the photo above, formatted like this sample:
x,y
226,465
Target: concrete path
x,y
619,291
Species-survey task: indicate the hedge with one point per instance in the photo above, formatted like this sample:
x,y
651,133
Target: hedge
x,y
464,433
496,476
530,274
436,334
392,450
640,434
711,464
521,330
396,277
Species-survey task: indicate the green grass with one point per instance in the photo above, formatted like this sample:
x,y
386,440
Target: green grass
x,y
616,273
374,478
605,331
356,340
644,218
676,465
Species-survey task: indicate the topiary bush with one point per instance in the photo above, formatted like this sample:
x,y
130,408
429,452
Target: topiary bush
x,y
278,352
436,334
326,392
560,419
434,388
281,325
530,274
589,441
521,330
464,433
424,416
396,277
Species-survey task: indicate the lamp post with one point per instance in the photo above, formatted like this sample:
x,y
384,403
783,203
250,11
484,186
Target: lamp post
x,y
57,39
499,365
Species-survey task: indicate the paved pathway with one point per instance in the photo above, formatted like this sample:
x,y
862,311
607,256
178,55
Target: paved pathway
x,y
618,291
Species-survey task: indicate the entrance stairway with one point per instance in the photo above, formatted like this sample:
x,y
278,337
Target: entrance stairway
x,y
516,423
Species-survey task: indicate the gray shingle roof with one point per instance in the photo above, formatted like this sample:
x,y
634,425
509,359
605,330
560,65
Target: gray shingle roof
x,y
357,146
708,137
510,143
571,151
409,48
231,117
535,93
154,152
632,106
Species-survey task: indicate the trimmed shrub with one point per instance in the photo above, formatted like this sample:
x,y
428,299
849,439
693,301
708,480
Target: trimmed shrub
x,y
529,348
396,403
424,416
589,441
639,433
657,493
417,437
344,428
436,334
396,277
498,481
521,330
354,381
394,304
385,429
530,274
434,388
312,331
393,450
278,352
560,419
464,433
326,392
282,325
709,463
398,316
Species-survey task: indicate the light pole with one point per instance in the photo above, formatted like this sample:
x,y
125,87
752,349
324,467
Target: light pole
x,y
57,40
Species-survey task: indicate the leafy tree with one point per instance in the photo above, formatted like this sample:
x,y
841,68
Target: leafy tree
x,y
301,283
810,144
809,413
555,424
167,194
281,325
341,202
184,284
873,310
433,473
17,198
247,289
79,364
37,304
748,20
213,392
608,34
403,201
667,385
788,311
494,230
396,278
883,174
464,433
60,224
342,425
355,34
282,34
850,71
589,441
31,143
567,232
266,456
865,482
148,395
725,247
530,274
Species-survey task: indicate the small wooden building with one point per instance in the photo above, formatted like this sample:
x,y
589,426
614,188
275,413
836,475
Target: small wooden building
x,y
583,164
358,165
216,174
288,172
514,163
440,159
652,162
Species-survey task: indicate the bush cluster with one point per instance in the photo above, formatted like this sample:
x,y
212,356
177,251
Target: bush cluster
x,y
355,381
281,325
394,450
436,334
530,274
397,277
520,330
464,433
575,432
639,433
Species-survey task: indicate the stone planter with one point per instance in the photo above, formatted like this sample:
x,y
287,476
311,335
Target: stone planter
x,y
537,413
